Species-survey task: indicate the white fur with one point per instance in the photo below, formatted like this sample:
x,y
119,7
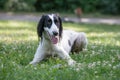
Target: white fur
x,y
62,48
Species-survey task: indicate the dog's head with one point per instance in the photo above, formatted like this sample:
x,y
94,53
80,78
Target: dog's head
x,y
50,27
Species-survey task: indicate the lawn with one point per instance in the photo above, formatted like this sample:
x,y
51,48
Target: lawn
x,y
18,43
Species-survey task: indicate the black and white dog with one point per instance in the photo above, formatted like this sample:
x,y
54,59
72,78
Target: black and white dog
x,y
55,40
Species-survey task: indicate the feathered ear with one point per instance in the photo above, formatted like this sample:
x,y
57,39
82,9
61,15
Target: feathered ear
x,y
60,28
40,26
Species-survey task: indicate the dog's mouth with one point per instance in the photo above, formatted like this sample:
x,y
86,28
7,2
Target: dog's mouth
x,y
53,39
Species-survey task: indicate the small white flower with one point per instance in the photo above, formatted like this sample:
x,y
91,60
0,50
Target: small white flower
x,y
98,62
92,65
109,65
93,52
93,47
35,68
95,72
14,48
114,67
96,76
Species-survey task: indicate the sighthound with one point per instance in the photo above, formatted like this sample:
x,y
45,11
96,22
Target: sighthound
x,y
55,40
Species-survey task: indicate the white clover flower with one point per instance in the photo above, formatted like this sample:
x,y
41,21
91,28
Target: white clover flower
x,y
92,65
35,68
95,72
93,47
14,48
98,53
109,65
113,60
118,55
96,76
86,55
93,52
114,67
105,63
98,62
100,50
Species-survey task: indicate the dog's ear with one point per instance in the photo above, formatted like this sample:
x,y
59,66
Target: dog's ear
x,y
60,28
40,26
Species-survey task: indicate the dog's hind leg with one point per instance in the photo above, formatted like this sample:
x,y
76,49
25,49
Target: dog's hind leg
x,y
80,43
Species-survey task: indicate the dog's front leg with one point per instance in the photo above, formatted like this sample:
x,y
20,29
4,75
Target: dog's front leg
x,y
64,55
39,55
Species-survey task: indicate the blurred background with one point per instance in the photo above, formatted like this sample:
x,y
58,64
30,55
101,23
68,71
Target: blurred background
x,y
86,11
111,7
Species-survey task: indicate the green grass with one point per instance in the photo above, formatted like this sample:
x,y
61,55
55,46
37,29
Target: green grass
x,y
18,43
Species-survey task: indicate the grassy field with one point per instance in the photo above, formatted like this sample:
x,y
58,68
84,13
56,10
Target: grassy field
x,y
18,43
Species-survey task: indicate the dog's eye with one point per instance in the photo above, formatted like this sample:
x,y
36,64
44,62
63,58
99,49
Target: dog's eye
x,y
55,21
49,21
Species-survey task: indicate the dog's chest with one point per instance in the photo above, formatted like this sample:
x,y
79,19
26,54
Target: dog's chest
x,y
50,49
50,53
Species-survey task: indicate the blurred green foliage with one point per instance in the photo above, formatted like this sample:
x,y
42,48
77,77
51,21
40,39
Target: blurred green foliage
x,y
88,6
17,5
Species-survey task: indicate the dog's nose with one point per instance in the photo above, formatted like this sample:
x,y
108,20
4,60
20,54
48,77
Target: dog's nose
x,y
55,33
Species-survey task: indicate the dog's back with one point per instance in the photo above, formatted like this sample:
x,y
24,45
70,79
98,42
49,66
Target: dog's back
x,y
74,41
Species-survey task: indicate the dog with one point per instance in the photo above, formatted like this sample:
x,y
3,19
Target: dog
x,y
55,40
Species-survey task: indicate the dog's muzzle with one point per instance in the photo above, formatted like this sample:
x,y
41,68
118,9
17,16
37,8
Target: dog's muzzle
x,y
54,38
55,33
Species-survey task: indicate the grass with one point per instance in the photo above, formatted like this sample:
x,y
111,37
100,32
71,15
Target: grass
x,y
18,43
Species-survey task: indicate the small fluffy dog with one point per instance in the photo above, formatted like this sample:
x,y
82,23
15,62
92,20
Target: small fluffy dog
x,y
55,40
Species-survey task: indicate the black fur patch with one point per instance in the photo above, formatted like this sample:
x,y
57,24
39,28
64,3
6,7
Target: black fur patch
x,y
69,42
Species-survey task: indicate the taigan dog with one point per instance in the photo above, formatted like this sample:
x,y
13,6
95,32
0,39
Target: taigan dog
x,y
55,40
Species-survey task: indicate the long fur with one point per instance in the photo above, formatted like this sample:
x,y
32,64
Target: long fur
x,y
55,40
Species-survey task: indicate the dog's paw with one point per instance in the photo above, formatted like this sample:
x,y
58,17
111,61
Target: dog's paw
x,y
33,63
71,62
